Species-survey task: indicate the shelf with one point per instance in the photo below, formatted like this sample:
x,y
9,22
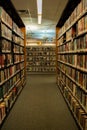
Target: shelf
x,y
10,9
83,51
81,33
40,59
67,12
73,80
12,74
71,110
71,54
73,66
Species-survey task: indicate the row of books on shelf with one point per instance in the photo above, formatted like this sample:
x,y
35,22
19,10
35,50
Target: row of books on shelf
x,y
80,95
8,21
79,113
5,60
41,63
79,28
40,48
21,65
9,59
18,40
74,75
45,58
77,92
78,60
17,30
5,17
76,108
71,33
41,69
6,32
2,112
18,58
76,44
9,99
11,71
82,25
18,49
22,73
40,53
5,46
76,14
9,84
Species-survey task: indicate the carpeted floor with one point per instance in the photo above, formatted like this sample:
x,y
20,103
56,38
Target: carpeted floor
x,y
40,106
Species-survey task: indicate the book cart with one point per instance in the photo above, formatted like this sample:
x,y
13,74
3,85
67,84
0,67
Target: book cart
x,y
71,50
12,57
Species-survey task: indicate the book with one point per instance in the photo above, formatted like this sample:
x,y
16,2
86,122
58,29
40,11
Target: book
x,y
85,45
85,61
1,92
3,111
2,76
80,8
78,94
81,79
85,81
80,116
11,83
84,101
84,122
5,74
82,42
0,60
14,80
81,60
85,22
73,103
74,89
85,4
78,60
81,25
2,14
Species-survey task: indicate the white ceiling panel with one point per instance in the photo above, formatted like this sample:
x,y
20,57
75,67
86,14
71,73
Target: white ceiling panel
x,y
51,13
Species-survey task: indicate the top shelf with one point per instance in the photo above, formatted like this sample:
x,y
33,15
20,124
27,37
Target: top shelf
x,y
67,11
10,9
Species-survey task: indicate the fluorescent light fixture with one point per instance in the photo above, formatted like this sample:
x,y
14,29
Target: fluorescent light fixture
x,y
39,10
39,18
39,6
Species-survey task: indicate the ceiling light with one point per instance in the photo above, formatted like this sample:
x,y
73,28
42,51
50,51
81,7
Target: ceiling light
x,y
39,10
39,18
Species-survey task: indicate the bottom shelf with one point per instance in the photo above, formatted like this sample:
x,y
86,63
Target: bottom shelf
x,y
41,69
79,115
8,102
40,73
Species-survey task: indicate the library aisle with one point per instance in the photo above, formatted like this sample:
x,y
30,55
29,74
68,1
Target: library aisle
x,y
40,106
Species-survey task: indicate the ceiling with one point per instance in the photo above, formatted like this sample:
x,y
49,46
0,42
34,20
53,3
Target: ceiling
x,y
51,13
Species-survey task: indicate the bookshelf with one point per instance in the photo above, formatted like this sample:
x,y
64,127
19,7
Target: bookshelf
x,y
71,53
41,59
12,57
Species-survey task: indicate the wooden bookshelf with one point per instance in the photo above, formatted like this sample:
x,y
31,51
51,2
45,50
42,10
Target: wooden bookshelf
x,y
41,59
12,57
71,50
